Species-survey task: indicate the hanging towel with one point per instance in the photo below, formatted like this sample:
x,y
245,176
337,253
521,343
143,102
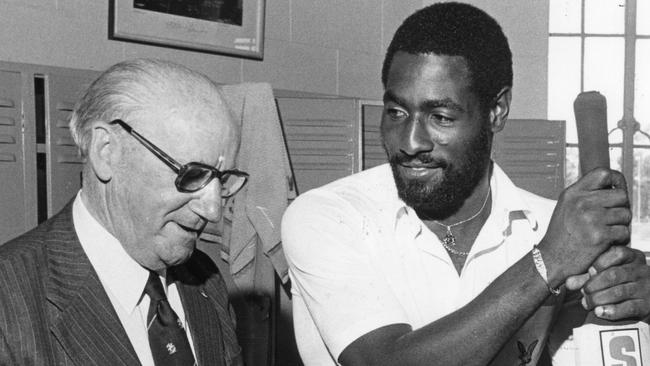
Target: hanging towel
x,y
251,221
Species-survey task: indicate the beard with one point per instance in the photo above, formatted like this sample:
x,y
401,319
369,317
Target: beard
x,y
441,198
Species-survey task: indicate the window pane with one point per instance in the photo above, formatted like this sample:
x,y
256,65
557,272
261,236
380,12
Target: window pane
x,y
564,16
571,166
642,89
615,136
563,81
604,72
642,16
605,16
641,200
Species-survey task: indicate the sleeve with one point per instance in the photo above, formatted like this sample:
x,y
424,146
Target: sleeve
x,y
329,247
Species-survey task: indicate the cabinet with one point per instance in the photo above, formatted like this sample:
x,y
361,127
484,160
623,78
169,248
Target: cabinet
x,y
322,136
39,166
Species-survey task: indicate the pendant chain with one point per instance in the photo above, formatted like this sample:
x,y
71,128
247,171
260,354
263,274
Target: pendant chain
x,y
449,241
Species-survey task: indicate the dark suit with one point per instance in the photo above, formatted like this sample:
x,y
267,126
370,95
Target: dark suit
x,y
54,310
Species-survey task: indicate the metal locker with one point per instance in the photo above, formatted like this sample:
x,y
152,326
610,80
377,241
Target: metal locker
x,y
322,138
373,150
532,153
64,163
39,166
12,157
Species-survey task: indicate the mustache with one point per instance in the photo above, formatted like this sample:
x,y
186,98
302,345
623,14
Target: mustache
x,y
423,159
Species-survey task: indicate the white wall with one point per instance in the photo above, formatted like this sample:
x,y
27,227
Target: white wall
x,y
332,47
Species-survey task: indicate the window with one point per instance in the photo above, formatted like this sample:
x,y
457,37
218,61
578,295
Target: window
x,y
604,45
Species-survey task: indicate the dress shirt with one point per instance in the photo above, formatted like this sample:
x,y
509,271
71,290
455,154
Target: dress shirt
x,y
360,258
123,280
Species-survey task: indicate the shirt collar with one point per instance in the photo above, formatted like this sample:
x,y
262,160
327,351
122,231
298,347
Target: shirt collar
x,y
119,273
507,203
506,198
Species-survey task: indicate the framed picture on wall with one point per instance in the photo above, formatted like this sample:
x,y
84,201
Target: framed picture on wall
x,y
231,27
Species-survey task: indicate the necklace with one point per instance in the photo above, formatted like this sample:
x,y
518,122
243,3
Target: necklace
x,y
449,241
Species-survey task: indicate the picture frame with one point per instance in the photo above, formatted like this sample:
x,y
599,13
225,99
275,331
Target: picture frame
x,y
229,27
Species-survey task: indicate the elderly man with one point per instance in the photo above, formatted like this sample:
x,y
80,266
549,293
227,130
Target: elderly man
x,y
115,278
437,258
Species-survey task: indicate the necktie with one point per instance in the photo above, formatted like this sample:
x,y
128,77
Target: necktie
x,y
167,337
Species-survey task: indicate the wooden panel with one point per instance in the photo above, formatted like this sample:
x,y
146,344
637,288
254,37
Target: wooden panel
x,y
12,193
64,163
532,153
321,137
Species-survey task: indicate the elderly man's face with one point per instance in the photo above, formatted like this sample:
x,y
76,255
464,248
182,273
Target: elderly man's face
x,y
158,225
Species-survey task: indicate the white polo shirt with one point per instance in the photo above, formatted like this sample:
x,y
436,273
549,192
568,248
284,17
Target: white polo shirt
x,y
360,259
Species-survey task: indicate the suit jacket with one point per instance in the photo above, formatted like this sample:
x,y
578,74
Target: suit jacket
x,y
54,310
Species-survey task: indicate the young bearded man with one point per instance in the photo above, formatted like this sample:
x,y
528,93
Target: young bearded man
x,y
437,257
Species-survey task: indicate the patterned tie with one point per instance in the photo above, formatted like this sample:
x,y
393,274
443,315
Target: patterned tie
x,y
167,337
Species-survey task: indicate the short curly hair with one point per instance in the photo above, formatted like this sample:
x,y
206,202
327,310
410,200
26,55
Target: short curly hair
x,y
457,29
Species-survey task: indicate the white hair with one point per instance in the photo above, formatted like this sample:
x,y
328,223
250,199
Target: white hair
x,y
134,86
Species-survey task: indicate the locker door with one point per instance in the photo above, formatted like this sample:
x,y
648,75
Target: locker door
x,y
373,151
64,164
322,138
12,158
531,152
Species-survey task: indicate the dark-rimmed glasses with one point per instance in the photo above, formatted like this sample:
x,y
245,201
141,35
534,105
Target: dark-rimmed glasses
x,y
192,176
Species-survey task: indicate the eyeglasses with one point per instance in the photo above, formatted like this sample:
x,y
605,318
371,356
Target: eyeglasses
x,y
192,176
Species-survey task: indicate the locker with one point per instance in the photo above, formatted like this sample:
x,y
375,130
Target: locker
x,y
39,165
322,137
64,163
12,156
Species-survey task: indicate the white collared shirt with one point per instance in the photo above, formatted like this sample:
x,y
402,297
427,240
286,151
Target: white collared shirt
x,y
123,280
361,259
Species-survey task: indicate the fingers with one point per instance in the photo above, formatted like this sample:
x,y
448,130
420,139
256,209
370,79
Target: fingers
x,y
576,282
617,255
622,287
628,309
607,197
602,178
590,216
618,235
615,276
618,216
610,285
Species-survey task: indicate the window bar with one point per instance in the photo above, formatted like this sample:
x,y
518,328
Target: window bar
x,y
628,96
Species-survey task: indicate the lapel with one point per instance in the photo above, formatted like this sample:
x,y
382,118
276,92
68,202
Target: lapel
x,y
82,318
206,307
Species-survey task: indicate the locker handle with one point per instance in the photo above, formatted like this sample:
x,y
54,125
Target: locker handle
x,y
6,103
7,121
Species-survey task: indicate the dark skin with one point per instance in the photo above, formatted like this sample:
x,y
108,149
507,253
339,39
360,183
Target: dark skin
x,y
617,285
464,234
431,108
